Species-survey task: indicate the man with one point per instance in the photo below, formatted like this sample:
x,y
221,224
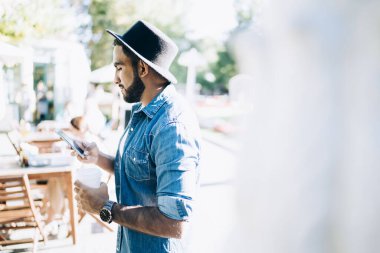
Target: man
x,y
156,165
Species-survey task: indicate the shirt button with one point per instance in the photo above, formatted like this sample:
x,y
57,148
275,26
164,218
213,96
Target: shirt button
x,y
134,159
131,129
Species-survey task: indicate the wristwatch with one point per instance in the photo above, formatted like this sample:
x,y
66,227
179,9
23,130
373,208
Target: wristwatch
x,y
106,212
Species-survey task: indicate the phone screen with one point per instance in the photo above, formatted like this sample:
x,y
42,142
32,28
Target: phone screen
x,y
71,142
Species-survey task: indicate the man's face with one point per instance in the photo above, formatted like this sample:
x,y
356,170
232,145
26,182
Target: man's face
x,y
126,76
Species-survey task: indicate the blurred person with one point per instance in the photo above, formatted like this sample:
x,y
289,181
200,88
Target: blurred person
x,y
26,99
79,126
93,114
156,165
309,174
54,205
70,111
54,199
42,102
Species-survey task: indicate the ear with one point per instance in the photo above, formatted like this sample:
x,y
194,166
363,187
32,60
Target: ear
x,y
143,68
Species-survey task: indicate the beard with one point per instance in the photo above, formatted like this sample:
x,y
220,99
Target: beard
x,y
134,92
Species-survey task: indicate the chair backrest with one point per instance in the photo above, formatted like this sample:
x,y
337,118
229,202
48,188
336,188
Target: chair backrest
x,y
7,147
15,199
17,209
15,137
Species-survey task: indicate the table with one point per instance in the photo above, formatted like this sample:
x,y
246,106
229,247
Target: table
x,y
42,140
45,173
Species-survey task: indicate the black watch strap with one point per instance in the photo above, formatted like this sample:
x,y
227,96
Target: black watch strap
x,y
106,211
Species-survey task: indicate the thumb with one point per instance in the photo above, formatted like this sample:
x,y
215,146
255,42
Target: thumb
x,y
81,144
81,185
78,184
88,146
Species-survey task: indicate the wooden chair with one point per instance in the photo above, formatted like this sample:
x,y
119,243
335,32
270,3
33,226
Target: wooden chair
x,y
18,212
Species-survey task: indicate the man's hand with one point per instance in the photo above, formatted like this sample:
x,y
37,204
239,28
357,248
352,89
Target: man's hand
x,y
89,199
91,152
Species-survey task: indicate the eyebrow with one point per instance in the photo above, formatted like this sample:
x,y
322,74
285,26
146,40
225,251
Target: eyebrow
x,y
117,63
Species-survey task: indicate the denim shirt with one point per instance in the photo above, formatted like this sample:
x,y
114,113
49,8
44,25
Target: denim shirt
x,y
158,167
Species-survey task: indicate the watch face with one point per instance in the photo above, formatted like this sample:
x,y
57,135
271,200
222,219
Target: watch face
x,y
105,215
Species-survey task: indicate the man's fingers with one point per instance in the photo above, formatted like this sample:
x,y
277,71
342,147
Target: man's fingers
x,y
86,147
76,190
78,184
81,144
89,146
85,144
74,153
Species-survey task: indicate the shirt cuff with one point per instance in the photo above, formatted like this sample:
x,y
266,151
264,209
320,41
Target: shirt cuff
x,y
175,207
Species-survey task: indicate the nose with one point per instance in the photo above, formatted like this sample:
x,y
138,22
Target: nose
x,y
116,79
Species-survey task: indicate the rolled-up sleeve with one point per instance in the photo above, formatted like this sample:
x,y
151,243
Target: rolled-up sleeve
x,y
175,207
176,153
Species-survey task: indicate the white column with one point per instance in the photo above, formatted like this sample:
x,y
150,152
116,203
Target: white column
x,y
191,59
27,67
2,93
190,82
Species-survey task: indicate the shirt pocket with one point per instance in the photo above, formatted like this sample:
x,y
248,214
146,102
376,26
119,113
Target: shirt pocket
x,y
137,165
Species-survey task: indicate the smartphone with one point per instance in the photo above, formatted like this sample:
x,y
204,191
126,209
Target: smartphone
x,y
71,142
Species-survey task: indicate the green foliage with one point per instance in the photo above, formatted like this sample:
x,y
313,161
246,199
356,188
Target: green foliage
x,y
63,19
222,66
222,70
245,11
23,20
120,15
103,17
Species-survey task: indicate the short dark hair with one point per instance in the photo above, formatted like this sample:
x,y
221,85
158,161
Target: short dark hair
x,y
132,56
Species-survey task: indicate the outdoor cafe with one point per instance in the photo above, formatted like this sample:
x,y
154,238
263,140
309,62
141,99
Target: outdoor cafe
x,y
37,170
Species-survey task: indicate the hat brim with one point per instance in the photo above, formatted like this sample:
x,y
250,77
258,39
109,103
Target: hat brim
x,y
164,72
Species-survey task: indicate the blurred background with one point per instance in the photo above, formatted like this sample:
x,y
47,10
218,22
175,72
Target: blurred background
x,y
59,50
287,94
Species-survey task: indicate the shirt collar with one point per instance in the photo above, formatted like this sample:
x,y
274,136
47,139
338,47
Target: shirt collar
x,y
156,103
